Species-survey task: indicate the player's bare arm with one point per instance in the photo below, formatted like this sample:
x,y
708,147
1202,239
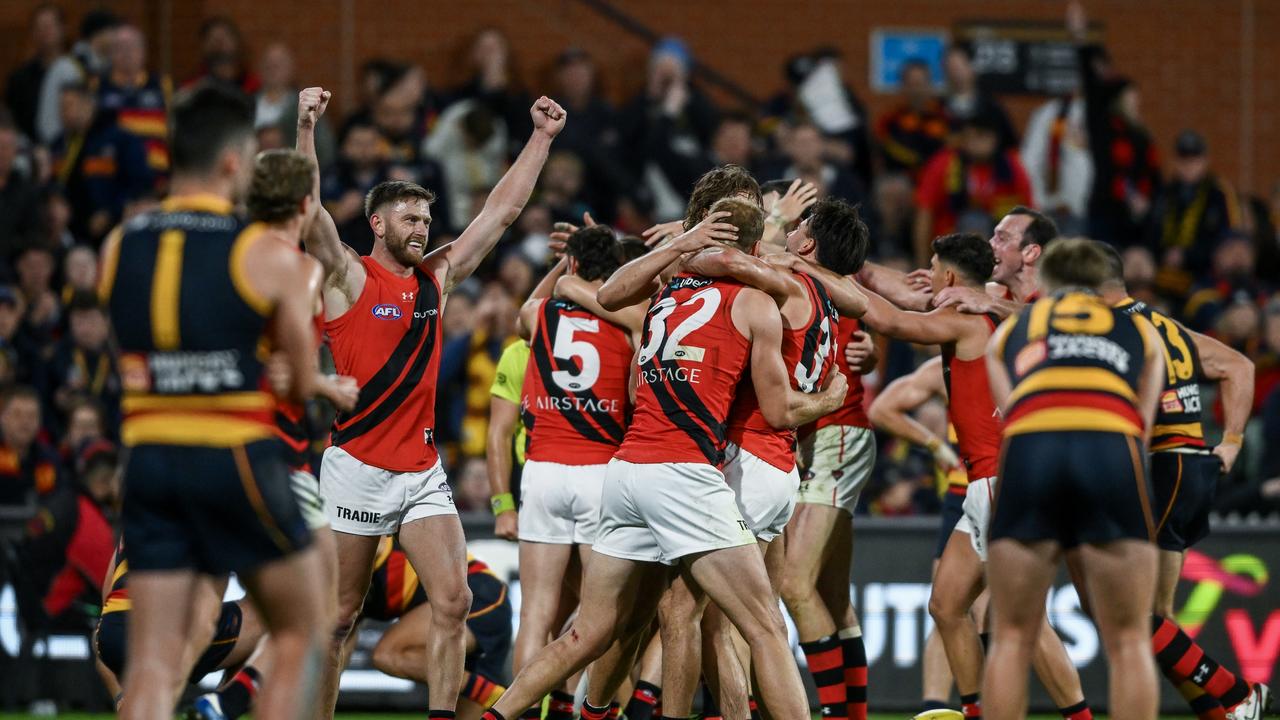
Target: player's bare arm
x,y
860,354
503,416
506,202
1234,373
977,302
778,283
1151,382
583,292
894,286
756,316
344,274
637,281
891,410
788,208
931,328
844,292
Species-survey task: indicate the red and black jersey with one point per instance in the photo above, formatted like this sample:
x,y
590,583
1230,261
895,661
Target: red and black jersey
x,y
689,366
852,413
293,424
806,353
972,411
575,399
389,341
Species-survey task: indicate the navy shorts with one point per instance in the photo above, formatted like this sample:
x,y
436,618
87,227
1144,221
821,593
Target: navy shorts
x,y
113,629
209,509
1073,487
952,511
490,622
1182,491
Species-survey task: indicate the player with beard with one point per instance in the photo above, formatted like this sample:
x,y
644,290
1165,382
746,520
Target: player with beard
x,y
382,314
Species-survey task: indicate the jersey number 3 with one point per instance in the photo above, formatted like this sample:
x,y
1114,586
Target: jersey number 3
x,y
671,346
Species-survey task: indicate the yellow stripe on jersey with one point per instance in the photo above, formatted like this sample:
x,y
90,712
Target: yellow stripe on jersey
x,y
110,263
230,402
260,303
114,605
1072,418
1194,430
1038,322
1073,378
197,202
166,291
198,429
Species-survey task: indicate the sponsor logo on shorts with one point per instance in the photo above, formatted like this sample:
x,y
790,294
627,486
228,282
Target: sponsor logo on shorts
x,y
428,436
386,312
360,516
743,524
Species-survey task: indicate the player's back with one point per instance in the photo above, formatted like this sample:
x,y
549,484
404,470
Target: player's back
x,y
1178,414
806,353
690,361
575,400
972,411
389,341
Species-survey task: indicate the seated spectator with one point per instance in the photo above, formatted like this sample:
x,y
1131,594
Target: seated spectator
x,y
222,56
733,144
1193,212
399,116
101,169
362,163
68,549
55,220
593,135
469,143
16,356
560,187
43,317
969,186
86,422
1055,151
83,65
911,133
467,366
892,215
471,488
806,159
79,272
495,83
19,196
277,104
48,34
1140,276
28,467
134,100
966,99
1266,357
1233,279
83,364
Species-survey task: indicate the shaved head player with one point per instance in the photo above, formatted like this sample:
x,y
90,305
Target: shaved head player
x,y
382,313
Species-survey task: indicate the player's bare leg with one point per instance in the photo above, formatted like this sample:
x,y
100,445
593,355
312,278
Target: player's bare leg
x,y
936,680
542,569
620,604
1020,577
355,555
812,526
956,585
402,650
1168,571
287,593
722,664
437,550
1121,577
1054,668
736,580
680,612
161,619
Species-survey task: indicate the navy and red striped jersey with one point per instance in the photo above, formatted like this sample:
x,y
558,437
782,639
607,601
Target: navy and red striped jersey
x,y
690,363
575,400
807,352
389,341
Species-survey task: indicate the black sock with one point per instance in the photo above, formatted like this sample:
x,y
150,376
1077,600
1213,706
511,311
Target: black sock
x,y
236,696
561,706
441,715
933,705
533,713
710,708
643,700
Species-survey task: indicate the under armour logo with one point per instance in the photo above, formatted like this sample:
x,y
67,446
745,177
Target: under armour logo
x,y
1201,674
406,296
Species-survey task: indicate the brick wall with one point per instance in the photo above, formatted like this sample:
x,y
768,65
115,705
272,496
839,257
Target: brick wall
x,y
1208,64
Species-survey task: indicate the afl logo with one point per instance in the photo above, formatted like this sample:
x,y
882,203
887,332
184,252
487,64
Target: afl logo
x,y
386,312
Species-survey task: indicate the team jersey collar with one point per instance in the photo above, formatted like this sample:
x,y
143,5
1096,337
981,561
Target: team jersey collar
x,y
197,202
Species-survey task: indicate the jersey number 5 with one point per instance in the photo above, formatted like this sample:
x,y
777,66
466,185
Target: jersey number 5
x,y
566,348
671,346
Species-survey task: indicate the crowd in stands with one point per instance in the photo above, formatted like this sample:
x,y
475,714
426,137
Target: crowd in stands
x,y
83,148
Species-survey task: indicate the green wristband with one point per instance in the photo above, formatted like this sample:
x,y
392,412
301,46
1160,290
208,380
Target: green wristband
x,y
502,503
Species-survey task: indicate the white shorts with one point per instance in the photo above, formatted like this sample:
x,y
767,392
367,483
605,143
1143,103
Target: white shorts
x,y
837,461
307,490
560,504
661,512
362,499
766,495
977,513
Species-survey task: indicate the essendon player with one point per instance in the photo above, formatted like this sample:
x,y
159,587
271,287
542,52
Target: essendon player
x,y
1184,473
967,260
1019,239
382,314
665,502
1077,383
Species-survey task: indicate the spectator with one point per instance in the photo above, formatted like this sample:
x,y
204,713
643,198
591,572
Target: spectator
x,y
966,99
1194,211
79,272
467,366
398,114
101,169
1055,152
732,143
22,90
516,273
83,364
86,423
1126,168
222,56
470,143
1140,275
495,84
916,129
593,135
86,62
277,103
471,489
1260,220
28,467
16,358
134,100
806,159
55,219
1233,280
1267,357
892,216
560,187
42,320
666,130
362,163
19,197
968,187
816,93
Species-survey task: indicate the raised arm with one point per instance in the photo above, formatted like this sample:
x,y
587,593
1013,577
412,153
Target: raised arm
x,y
891,410
1234,373
781,406
932,328
779,283
786,210
507,199
637,280
894,286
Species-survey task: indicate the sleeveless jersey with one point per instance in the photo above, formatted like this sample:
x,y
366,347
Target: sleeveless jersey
x,y
1177,423
294,426
689,366
1074,364
806,353
574,402
389,341
853,412
972,411
117,599
191,330
957,479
